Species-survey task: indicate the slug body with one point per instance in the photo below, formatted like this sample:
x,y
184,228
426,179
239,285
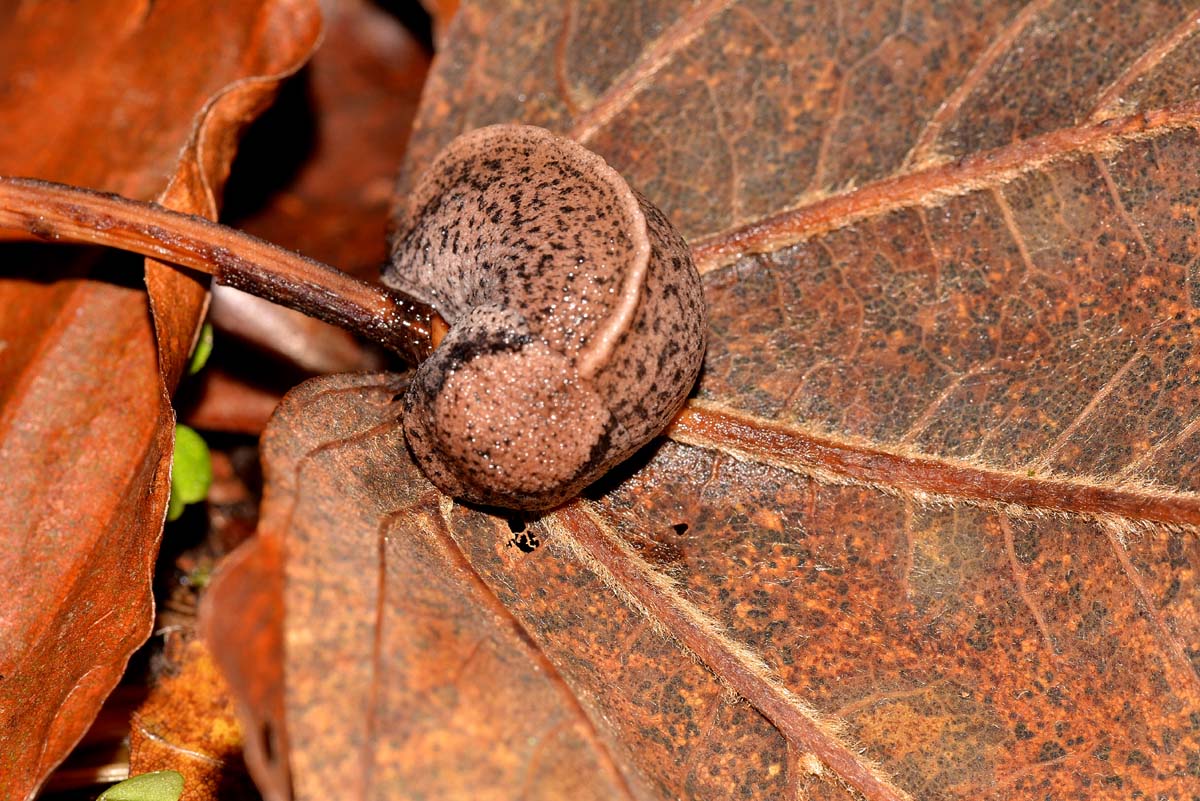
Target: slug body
x,y
576,317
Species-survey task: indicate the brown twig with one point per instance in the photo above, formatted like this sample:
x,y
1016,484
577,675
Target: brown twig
x,y
60,213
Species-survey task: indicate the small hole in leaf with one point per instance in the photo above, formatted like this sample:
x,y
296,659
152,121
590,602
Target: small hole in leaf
x,y
680,528
525,541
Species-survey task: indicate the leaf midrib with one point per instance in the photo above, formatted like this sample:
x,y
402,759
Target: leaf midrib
x,y
747,437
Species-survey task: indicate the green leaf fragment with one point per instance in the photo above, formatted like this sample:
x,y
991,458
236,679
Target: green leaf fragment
x,y
174,507
161,785
202,351
191,475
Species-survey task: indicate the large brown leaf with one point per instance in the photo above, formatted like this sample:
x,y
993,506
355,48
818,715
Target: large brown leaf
x,y
145,99
929,529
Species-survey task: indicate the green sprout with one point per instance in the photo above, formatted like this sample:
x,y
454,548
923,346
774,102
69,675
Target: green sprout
x,y
202,351
191,475
161,785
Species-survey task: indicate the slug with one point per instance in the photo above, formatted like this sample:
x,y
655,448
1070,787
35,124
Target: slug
x,y
559,314
576,317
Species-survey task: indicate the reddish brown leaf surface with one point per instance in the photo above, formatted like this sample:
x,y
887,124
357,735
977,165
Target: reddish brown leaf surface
x,y
102,95
187,724
451,671
929,529
242,620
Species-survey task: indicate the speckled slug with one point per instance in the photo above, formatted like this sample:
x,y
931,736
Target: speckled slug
x,y
577,318
573,317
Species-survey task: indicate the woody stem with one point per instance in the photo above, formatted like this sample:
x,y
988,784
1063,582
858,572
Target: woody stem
x,y
60,213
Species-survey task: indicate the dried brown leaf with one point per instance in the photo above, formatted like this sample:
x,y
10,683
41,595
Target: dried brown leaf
x,y
187,724
102,95
450,671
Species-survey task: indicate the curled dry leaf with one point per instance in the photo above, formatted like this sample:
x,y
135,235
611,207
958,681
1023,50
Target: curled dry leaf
x,y
101,96
450,671
187,724
930,528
